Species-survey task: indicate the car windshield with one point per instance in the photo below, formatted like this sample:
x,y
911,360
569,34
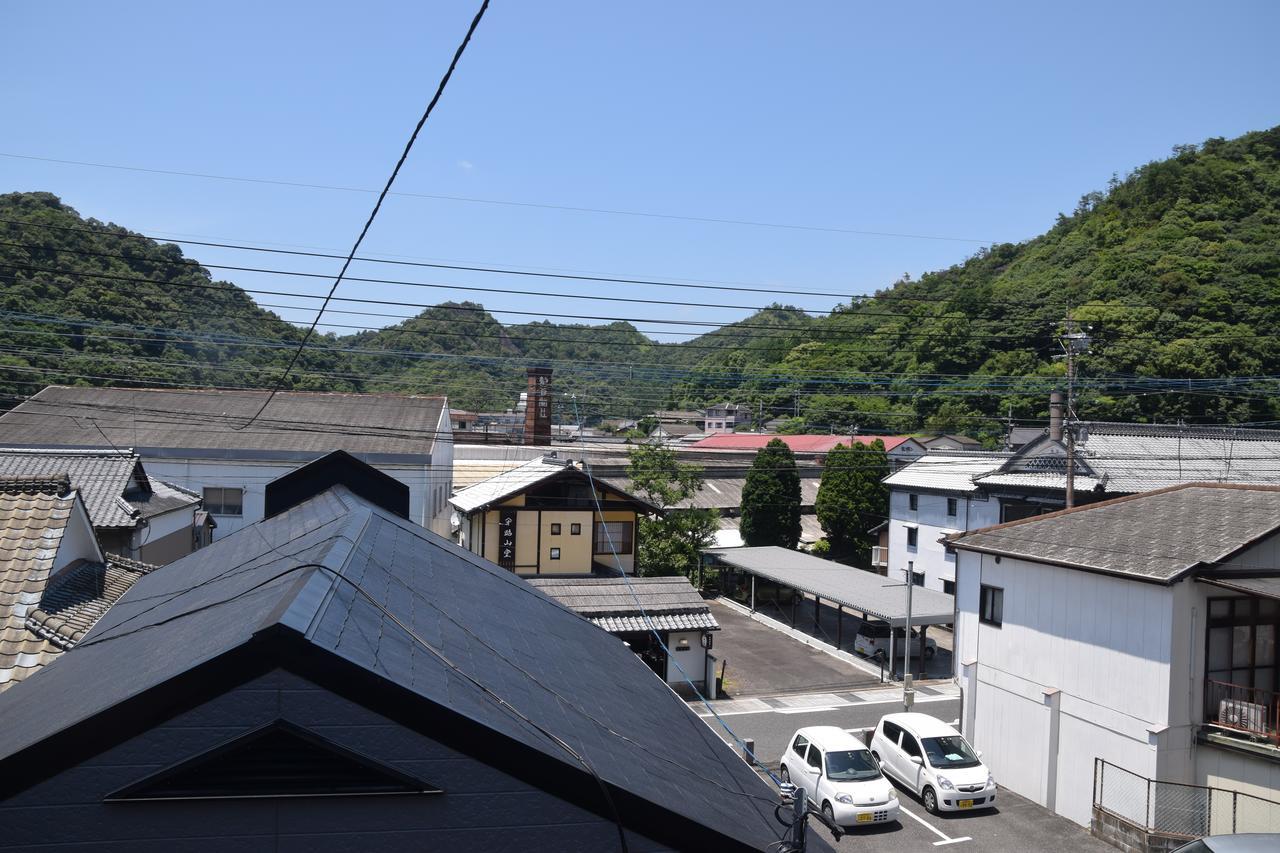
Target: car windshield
x,y
852,765
949,751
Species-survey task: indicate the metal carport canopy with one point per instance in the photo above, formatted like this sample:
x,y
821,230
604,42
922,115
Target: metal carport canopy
x,y
875,595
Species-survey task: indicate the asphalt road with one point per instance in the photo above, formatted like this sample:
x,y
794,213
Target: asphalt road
x,y
1016,825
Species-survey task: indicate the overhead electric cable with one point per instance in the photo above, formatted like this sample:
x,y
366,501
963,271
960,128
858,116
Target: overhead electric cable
x,y
404,155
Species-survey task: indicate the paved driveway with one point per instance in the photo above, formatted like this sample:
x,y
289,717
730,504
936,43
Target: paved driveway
x,y
762,661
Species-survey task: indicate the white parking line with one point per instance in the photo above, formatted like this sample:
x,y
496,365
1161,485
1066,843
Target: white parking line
x,y
919,701
946,839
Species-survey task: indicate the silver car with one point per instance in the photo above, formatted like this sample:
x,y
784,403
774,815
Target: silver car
x,y
1250,842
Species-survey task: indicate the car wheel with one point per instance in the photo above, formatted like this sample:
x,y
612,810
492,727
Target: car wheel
x,y
827,812
786,777
930,800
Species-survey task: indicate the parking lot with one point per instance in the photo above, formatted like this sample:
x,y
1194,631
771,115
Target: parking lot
x,y
762,661
1016,825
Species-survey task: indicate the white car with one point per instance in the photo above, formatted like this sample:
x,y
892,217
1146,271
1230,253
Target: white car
x,y
934,762
840,775
872,641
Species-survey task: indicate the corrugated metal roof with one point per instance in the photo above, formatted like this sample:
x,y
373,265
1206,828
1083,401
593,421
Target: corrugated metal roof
x,y
482,623
877,596
661,622
1153,536
947,471
508,483
207,420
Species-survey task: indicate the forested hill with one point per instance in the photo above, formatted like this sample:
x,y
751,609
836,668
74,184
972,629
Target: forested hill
x,y
1174,269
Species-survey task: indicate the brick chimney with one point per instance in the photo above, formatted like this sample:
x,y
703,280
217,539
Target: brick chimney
x,y
537,411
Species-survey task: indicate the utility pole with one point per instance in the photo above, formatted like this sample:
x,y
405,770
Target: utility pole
x,y
1073,342
908,693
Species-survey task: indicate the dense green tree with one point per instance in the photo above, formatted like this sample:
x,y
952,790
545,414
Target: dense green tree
x,y
851,497
771,498
671,541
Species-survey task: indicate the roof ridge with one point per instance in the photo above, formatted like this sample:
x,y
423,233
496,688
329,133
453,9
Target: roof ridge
x,y
40,484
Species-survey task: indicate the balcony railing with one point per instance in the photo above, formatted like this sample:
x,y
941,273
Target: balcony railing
x,y
1249,710
879,556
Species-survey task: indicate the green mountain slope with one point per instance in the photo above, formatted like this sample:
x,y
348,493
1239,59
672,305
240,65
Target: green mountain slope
x,y
1175,270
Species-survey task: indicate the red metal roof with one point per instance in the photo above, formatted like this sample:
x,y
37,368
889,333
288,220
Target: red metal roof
x,y
798,443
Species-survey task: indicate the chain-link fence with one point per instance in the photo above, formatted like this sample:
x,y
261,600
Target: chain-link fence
x,y
1174,808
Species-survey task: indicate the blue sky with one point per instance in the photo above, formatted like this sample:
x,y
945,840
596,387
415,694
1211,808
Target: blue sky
x,y
976,121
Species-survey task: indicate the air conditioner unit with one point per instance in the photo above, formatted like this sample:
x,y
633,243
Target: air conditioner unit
x,y
1242,715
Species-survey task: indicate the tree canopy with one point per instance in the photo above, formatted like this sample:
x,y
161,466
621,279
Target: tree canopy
x,y
669,543
771,498
851,497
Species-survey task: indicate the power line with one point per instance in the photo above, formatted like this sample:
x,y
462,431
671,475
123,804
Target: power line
x,y
508,203
413,137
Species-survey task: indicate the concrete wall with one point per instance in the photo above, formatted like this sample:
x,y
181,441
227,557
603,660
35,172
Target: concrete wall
x,y
691,659
932,520
1218,767
482,808
252,476
1084,654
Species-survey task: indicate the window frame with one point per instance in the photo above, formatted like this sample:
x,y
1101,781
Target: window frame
x,y
913,537
222,502
953,508
555,528
622,544
913,502
555,554
991,612
800,746
885,726
575,528
814,750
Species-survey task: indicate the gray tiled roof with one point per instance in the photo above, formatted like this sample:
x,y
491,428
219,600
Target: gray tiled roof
x,y
618,606
101,476
1156,536
946,471
295,422
480,622
1119,459
78,597
40,613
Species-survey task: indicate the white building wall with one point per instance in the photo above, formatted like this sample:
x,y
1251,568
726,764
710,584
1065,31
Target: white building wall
x,y
690,660
932,523
1097,647
253,477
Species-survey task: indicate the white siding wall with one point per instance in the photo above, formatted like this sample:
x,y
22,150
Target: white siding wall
x,y
253,476
932,520
690,659
1105,643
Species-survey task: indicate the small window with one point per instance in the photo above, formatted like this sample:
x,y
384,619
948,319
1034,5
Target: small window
x,y
223,501
815,757
949,587
801,744
917,578
951,507
555,530
890,731
991,605
555,553
913,537
913,502
575,529
911,746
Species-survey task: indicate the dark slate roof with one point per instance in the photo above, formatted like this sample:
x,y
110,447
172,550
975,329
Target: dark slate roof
x,y
103,477
619,605
163,497
1156,536
259,596
204,420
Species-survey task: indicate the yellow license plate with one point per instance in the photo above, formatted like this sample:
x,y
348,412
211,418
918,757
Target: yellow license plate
x,y
865,818
964,804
